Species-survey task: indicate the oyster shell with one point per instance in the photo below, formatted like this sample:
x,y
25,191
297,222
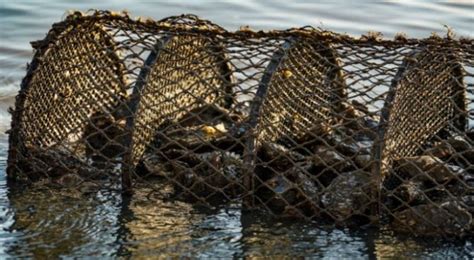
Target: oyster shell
x,y
348,195
433,219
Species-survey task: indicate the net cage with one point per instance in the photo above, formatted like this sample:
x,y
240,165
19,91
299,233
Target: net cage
x,y
301,123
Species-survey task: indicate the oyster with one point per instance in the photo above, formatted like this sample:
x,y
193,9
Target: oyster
x,y
204,129
326,157
209,114
204,138
213,176
468,202
429,168
69,180
75,182
105,137
456,150
407,194
348,195
55,162
356,116
154,165
363,161
432,219
290,194
278,156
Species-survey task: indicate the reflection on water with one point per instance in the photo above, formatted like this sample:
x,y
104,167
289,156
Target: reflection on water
x,y
51,224
43,223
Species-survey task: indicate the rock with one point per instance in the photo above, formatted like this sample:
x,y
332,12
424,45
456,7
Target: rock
x,y
356,132
448,218
179,154
468,181
428,168
308,195
349,194
343,143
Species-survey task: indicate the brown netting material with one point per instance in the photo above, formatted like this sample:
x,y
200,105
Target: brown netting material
x,y
428,96
188,61
302,123
312,73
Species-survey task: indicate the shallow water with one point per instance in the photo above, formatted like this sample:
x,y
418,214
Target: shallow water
x,y
46,224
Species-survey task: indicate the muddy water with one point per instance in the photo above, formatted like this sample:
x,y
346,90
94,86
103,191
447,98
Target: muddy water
x,y
42,223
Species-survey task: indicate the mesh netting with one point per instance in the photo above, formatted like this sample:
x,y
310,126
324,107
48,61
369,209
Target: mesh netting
x,y
301,123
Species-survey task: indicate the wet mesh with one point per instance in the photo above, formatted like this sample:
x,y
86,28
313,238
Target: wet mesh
x,y
302,123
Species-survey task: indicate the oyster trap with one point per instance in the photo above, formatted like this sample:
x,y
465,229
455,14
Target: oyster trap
x,y
301,123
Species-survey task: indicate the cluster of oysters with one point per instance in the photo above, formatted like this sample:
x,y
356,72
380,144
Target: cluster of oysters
x,y
433,193
324,172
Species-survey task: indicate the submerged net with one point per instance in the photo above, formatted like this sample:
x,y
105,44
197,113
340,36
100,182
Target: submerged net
x,y
301,123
